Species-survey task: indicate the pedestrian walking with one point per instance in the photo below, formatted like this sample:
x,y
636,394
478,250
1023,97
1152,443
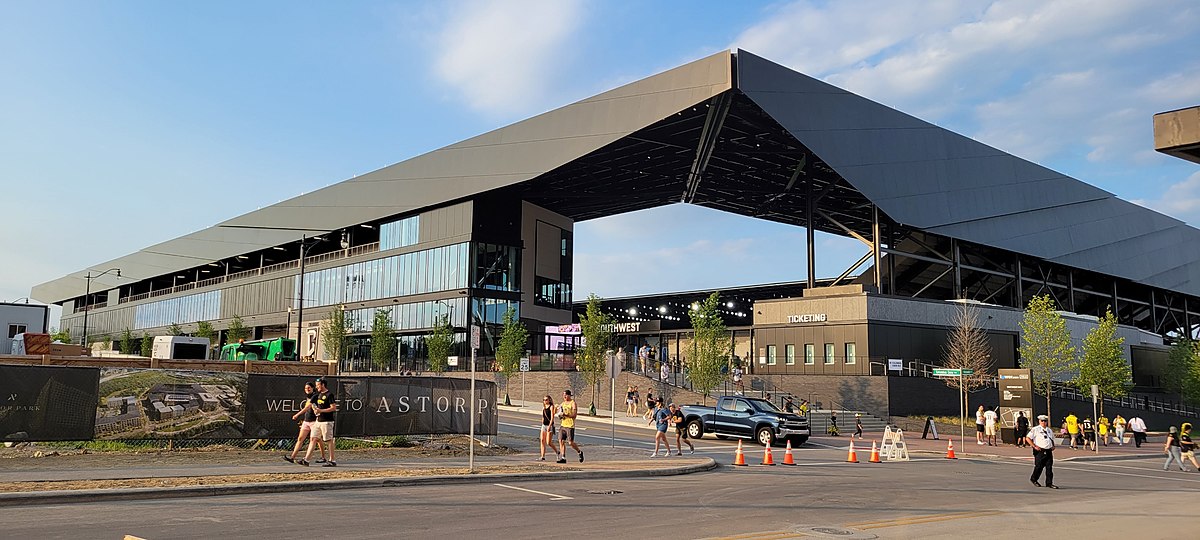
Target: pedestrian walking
x,y
739,388
660,419
1119,429
567,412
643,353
1089,433
1022,428
1073,429
637,397
630,396
546,437
1102,430
1172,449
650,401
1138,427
664,372
622,358
989,427
1186,446
979,426
306,426
681,435
788,406
324,405
858,429
1041,438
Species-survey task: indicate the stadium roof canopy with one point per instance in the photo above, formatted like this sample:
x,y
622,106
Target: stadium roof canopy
x,y
738,133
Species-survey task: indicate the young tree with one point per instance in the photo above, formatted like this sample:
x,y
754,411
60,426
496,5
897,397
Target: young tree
x,y
1103,360
1182,373
967,348
512,345
596,328
383,341
439,343
205,330
147,345
237,330
335,334
107,343
710,346
1046,348
61,336
128,343
175,330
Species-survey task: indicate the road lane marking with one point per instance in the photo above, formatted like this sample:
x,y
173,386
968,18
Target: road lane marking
x,y
762,535
552,496
920,520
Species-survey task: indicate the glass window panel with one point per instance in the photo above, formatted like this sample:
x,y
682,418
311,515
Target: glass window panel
x,y
850,353
770,355
790,352
828,353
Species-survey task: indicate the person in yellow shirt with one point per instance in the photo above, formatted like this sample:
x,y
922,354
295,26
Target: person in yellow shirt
x,y
1102,429
566,434
1073,429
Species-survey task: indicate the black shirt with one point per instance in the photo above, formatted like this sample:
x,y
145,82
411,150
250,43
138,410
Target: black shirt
x,y
1185,441
1172,439
1022,424
309,415
323,400
677,418
547,415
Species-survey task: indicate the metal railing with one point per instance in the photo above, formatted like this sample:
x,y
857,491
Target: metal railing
x,y
315,259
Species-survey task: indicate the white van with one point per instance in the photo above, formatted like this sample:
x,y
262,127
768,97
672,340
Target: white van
x,y
180,348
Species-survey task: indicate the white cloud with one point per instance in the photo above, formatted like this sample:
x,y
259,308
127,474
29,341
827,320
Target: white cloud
x,y
499,55
1180,201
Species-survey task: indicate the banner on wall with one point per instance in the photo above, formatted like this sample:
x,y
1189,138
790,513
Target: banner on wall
x,y
45,403
1016,395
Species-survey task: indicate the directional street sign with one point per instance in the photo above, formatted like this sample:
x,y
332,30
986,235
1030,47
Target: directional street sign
x,y
968,372
946,372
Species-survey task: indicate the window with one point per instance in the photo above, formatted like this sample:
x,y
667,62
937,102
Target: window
x,y
399,233
790,354
850,353
14,329
828,353
810,354
770,355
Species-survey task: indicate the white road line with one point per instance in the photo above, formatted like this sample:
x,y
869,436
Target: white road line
x,y
1131,474
552,496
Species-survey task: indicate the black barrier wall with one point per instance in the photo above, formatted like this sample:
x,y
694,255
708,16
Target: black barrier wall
x,y
47,403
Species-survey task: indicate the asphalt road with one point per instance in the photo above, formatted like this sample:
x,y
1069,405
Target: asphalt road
x,y
928,497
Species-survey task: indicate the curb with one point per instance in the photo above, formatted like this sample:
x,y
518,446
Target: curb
x,y
965,455
97,495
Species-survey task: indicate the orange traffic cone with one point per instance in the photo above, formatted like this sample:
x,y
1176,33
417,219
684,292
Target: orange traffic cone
x,y
767,459
787,455
950,450
874,454
852,457
739,459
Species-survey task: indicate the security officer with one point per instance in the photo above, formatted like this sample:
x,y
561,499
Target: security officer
x,y
1041,438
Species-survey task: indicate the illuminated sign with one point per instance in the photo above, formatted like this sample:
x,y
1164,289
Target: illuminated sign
x,y
811,317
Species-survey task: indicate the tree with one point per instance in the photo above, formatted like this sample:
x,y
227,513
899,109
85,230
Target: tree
x,y
1103,360
175,329
511,347
237,330
439,343
383,342
147,345
596,328
967,348
1046,348
1182,373
61,336
128,343
205,330
335,334
710,348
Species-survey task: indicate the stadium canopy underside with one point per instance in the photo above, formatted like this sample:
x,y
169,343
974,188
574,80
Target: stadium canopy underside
x,y
939,215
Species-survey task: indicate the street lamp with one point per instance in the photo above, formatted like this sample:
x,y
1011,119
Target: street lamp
x,y
88,292
300,315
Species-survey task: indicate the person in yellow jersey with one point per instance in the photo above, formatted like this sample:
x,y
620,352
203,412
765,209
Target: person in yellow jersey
x,y
1102,429
1073,429
566,434
1119,429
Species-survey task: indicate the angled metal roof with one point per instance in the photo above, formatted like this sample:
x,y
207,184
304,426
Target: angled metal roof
x,y
656,142
931,178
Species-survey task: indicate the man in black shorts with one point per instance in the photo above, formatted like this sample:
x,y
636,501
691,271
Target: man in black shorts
x,y
680,431
566,435
324,404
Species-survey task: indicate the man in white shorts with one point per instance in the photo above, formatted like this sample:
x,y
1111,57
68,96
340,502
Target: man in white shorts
x,y
989,427
324,405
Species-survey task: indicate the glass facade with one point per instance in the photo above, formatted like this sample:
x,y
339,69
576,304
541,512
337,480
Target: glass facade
x,y
412,316
399,233
496,267
185,309
431,270
551,293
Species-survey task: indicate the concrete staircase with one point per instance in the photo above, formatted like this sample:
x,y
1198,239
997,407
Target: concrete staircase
x,y
819,420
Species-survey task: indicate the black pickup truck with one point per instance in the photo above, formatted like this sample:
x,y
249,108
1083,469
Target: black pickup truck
x,y
747,418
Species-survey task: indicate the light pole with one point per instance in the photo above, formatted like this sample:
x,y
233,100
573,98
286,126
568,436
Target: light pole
x,y
300,313
88,292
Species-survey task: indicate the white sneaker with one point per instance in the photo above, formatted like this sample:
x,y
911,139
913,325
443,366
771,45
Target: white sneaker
x,y
691,451
980,443
654,454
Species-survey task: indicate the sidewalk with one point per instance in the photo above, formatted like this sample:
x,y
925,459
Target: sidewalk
x,y
602,416
970,449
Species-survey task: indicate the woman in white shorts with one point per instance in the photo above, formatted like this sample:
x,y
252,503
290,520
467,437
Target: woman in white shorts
x,y
547,434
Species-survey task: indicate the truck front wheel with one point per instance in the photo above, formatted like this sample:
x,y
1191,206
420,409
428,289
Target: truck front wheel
x,y
695,429
765,436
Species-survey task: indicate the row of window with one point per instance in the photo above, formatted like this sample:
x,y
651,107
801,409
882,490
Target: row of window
x,y
431,270
416,315
810,354
204,306
399,233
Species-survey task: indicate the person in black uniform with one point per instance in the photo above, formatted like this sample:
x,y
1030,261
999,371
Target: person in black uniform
x,y
1022,428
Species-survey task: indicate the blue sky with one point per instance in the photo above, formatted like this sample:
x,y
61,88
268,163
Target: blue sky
x,y
128,123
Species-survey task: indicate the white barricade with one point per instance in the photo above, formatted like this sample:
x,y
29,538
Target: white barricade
x,y
894,448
